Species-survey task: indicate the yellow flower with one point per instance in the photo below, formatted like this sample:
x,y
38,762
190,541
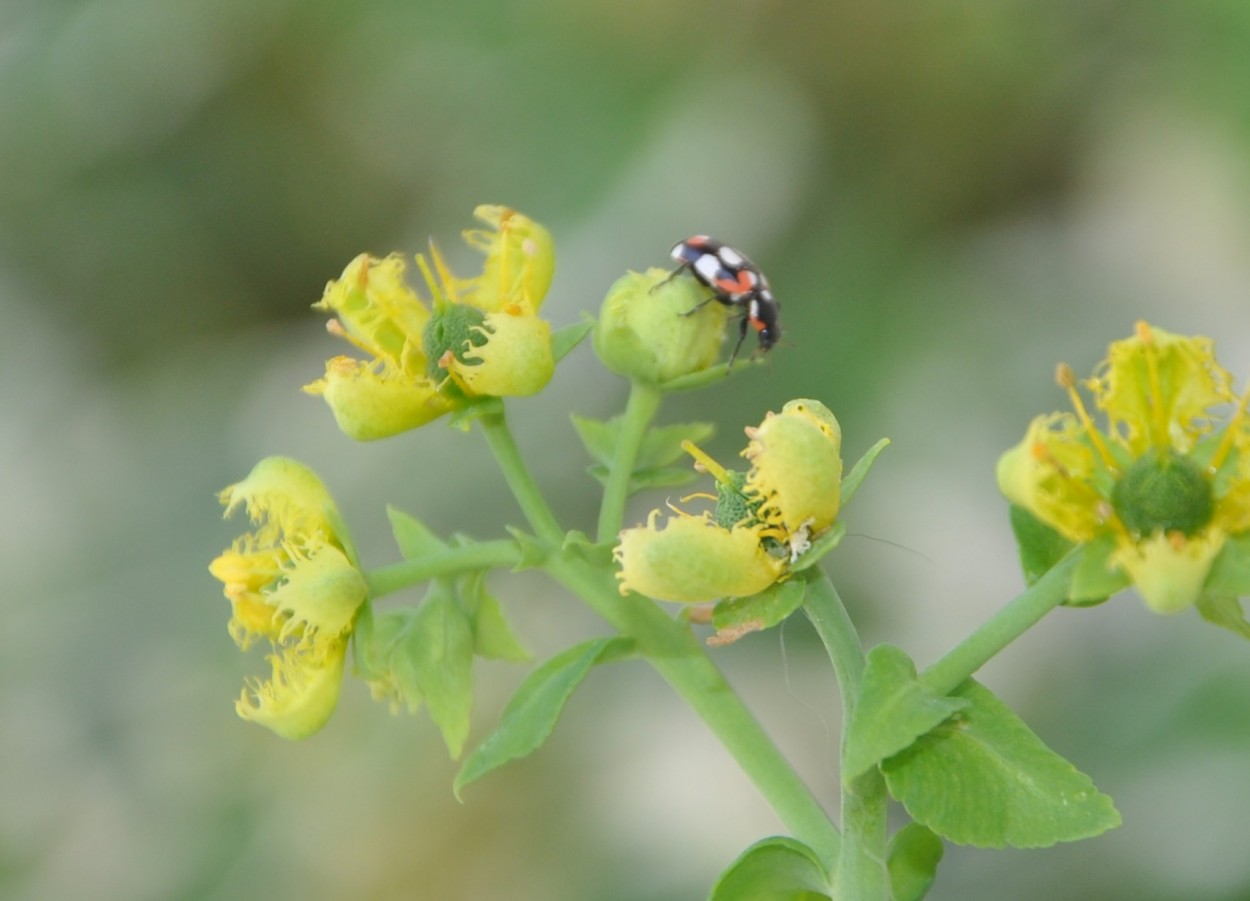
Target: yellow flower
x,y
291,582
1163,485
479,337
764,520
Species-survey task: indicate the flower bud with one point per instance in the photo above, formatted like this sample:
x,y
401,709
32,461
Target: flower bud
x,y
654,328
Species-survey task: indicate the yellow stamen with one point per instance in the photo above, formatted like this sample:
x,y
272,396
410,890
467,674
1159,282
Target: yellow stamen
x,y
1066,379
335,327
446,282
1159,422
718,472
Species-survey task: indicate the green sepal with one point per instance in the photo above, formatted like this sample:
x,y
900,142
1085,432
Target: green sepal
x,y
892,711
531,715
382,655
414,538
1093,580
736,617
493,637
984,778
470,409
826,542
912,860
599,436
1224,611
774,869
705,377
1040,546
1230,570
534,551
660,447
440,643
564,339
855,477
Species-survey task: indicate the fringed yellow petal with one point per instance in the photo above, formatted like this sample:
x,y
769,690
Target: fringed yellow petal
x,y
520,260
796,467
1050,474
1157,389
320,595
376,306
301,694
369,404
516,360
693,560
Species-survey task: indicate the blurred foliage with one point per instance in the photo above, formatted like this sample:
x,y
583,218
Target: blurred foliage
x,y
948,198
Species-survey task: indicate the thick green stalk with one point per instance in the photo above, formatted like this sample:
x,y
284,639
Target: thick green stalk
x,y
469,558
671,648
861,871
644,401
1003,627
528,495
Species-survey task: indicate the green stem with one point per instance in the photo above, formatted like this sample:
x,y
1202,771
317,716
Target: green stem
x,y
861,871
644,402
671,648
528,495
469,558
1003,627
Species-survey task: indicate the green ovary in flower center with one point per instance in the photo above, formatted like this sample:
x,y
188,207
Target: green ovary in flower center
x,y
1163,492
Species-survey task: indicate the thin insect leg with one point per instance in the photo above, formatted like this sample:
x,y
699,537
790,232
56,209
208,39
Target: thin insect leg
x,y
698,308
668,278
742,336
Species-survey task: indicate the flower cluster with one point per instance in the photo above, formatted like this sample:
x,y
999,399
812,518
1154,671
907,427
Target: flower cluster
x,y
479,337
764,520
292,582
1163,487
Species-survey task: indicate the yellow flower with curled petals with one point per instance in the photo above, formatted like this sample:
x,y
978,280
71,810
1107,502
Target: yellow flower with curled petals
x,y
290,581
1163,485
476,337
764,519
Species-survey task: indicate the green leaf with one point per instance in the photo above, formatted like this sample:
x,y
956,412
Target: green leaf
x,y
983,778
914,855
662,444
775,869
668,477
599,436
1230,571
736,617
439,644
492,636
1224,611
564,339
1095,580
1041,547
828,540
853,479
385,652
892,711
531,715
413,537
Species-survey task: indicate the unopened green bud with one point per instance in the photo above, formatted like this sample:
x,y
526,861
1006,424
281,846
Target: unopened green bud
x,y
654,328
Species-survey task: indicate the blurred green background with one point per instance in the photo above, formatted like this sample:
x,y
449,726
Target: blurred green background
x,y
948,197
